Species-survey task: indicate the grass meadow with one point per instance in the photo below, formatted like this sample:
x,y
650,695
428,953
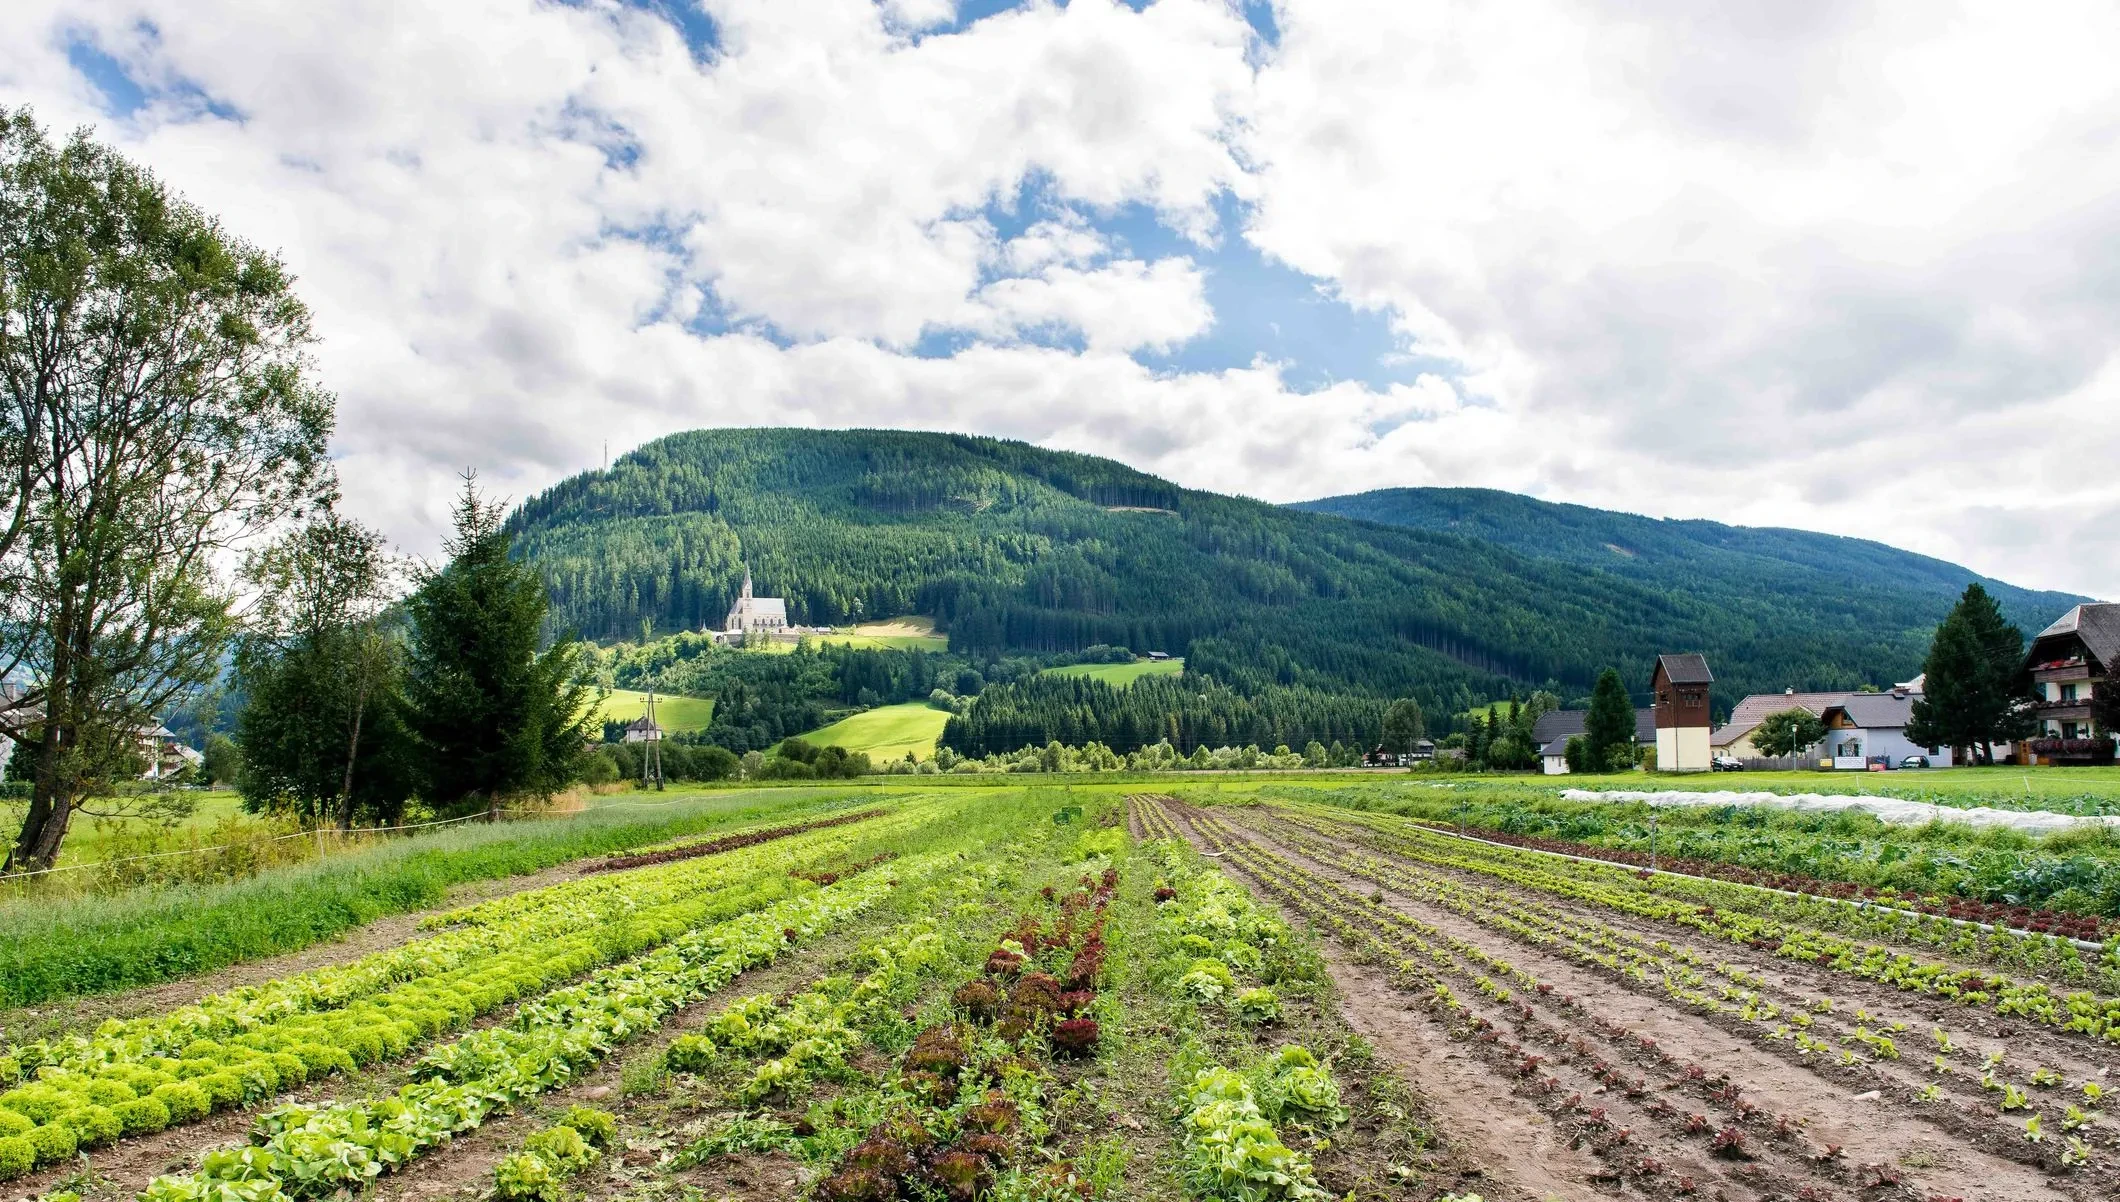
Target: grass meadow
x,y
674,713
887,732
1120,675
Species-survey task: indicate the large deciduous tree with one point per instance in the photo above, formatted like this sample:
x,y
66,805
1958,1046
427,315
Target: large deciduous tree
x,y
1404,725
322,727
1608,729
1975,689
495,717
155,408
1788,732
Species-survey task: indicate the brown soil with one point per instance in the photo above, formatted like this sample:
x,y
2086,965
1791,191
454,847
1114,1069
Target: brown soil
x,y
1542,1161
1799,984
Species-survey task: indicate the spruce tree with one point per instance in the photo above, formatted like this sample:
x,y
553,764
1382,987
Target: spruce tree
x,y
1974,685
1608,729
495,716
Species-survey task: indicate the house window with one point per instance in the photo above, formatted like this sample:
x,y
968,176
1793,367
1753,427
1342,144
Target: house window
x,y
2068,692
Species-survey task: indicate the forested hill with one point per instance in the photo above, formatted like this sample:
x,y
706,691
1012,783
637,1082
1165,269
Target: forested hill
x,y
1011,547
1724,564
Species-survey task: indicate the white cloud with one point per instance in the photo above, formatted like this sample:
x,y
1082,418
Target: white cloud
x,y
1803,263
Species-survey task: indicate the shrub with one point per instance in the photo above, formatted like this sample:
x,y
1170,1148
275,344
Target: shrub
x,y
12,1124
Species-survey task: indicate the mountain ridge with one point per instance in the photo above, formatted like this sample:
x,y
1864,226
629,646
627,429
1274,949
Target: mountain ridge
x,y
1013,548
1636,546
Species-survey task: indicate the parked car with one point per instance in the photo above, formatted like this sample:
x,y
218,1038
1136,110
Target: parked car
x,y
1915,761
1728,763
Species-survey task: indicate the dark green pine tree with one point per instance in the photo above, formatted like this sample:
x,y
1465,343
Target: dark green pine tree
x,y
1608,729
1974,686
495,716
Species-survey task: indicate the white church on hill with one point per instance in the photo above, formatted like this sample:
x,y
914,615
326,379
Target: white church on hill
x,y
755,615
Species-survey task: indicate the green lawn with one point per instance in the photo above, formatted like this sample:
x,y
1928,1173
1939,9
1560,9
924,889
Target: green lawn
x,y
897,634
674,713
886,732
1123,674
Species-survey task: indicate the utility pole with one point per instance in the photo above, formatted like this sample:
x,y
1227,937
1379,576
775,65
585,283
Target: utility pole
x,y
655,741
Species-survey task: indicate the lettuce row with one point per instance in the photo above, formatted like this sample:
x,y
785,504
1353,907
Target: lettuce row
x,y
308,1152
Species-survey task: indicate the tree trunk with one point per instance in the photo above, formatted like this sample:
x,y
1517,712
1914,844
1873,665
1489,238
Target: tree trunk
x,y
51,801
353,746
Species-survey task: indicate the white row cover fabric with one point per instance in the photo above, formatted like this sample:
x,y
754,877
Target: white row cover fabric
x,y
1887,809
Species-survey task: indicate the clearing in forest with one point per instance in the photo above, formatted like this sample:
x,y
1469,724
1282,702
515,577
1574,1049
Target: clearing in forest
x,y
887,732
1121,675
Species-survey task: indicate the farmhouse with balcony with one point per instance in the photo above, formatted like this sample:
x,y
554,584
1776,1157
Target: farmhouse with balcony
x,y
2068,661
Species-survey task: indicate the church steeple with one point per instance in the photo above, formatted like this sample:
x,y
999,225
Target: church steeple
x,y
746,594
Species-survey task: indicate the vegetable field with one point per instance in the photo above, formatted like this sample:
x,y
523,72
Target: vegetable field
x,y
1093,991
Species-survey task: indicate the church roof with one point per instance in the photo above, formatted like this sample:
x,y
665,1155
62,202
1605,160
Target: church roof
x,y
760,607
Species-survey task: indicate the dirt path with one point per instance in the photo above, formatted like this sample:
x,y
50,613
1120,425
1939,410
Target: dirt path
x,y
1826,1136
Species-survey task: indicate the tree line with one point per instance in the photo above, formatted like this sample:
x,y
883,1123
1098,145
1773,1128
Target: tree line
x,y
1188,712
159,419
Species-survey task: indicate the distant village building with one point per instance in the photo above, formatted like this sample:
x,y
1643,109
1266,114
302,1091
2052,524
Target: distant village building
x,y
1862,727
643,730
2068,661
1680,684
164,754
1734,738
1864,730
1422,751
1552,730
755,615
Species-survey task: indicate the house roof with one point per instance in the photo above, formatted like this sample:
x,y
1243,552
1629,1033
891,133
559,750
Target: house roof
x,y
1689,668
1877,711
1559,725
2096,625
643,722
1749,712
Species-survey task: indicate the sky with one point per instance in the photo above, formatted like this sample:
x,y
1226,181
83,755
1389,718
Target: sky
x,y
1845,267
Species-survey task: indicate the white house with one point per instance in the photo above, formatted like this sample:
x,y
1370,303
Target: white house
x,y
1554,728
1872,726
